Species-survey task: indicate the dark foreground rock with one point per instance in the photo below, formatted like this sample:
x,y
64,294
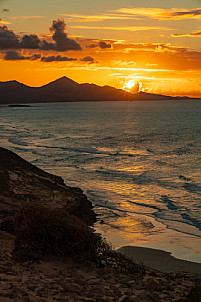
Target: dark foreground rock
x,y
22,182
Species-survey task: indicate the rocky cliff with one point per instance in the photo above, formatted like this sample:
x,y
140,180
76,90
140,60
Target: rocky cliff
x,y
22,182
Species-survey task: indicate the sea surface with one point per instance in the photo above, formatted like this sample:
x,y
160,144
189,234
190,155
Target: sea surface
x,y
138,162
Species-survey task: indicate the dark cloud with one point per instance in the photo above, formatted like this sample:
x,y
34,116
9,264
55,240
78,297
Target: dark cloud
x,y
13,55
47,45
104,45
30,42
9,40
5,10
88,59
195,34
62,42
57,58
36,57
92,46
190,13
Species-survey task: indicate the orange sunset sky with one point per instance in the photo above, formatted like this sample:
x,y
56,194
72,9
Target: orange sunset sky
x,y
152,46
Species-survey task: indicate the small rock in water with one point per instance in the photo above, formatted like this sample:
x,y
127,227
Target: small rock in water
x,y
150,151
183,177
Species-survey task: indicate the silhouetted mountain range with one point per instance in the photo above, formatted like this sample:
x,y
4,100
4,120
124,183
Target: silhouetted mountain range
x,y
67,90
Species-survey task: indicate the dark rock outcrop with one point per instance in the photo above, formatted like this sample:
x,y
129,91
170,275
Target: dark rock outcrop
x,y
22,182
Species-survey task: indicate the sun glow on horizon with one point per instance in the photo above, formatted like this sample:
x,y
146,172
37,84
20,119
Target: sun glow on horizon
x,y
133,86
129,85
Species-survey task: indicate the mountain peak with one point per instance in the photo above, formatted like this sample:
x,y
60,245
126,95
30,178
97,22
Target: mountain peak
x,y
62,83
13,83
64,79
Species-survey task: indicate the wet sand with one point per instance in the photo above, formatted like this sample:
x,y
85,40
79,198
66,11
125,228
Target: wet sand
x,y
160,260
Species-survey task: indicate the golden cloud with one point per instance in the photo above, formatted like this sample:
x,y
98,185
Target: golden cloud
x,y
163,14
28,17
195,34
156,47
137,12
95,18
4,22
123,63
126,28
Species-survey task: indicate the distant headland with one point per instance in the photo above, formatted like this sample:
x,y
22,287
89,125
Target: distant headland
x,y
67,90
18,105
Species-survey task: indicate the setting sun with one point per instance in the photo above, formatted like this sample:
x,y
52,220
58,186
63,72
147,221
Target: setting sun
x,y
133,86
129,85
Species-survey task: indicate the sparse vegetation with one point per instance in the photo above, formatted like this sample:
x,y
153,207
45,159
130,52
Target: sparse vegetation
x,y
41,231
195,294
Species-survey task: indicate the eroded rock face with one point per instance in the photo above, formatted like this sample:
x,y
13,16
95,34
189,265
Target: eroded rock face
x,y
22,182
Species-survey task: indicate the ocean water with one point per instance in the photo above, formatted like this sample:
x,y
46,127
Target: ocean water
x,y
138,162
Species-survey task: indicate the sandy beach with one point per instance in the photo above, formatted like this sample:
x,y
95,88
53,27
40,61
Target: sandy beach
x,y
160,260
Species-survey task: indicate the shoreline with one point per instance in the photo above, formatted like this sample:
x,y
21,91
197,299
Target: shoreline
x,y
160,260
181,246
97,101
